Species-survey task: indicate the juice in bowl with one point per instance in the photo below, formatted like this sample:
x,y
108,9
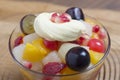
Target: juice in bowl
x,y
59,46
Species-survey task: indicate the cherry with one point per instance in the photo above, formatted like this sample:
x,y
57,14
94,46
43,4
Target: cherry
x,y
96,45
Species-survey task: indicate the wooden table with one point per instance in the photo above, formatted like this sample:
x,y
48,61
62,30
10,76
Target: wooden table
x,y
11,13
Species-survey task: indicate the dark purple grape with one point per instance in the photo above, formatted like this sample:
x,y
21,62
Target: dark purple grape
x,y
26,24
77,58
76,13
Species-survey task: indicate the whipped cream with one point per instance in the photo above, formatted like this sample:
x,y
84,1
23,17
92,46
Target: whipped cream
x,y
67,31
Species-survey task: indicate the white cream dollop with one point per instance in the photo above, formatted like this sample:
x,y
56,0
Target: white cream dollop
x,y
67,31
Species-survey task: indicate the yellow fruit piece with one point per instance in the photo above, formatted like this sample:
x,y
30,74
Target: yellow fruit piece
x,y
26,75
92,21
39,44
68,71
94,35
95,56
32,53
20,34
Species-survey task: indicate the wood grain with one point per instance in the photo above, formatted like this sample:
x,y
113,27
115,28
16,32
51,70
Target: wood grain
x,y
11,14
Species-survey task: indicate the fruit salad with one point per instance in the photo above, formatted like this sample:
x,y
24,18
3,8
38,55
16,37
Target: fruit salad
x,y
60,43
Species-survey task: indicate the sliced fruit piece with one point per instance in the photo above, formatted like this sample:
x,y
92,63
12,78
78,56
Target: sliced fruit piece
x,y
26,24
32,53
83,40
95,56
94,36
67,71
53,16
18,52
102,34
60,18
27,64
29,38
76,13
52,45
64,49
53,68
39,44
77,58
64,17
51,57
96,45
18,41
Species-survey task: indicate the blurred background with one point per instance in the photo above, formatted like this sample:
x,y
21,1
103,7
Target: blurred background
x,y
91,4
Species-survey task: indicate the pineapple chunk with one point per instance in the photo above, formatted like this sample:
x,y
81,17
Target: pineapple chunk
x,y
39,44
95,56
32,53
67,70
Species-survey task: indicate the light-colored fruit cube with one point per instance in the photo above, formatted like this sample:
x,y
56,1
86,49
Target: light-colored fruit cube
x,y
95,56
32,53
29,38
51,57
18,52
39,44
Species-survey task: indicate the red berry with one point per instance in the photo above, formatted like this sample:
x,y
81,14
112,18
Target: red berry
x,y
96,45
27,64
53,16
52,68
83,40
102,34
96,28
80,40
18,41
52,45
64,17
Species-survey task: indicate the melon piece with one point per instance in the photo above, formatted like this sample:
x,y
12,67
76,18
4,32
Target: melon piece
x,y
18,52
51,57
29,38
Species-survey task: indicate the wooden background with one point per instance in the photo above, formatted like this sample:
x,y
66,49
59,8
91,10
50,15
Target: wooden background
x,y
106,11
